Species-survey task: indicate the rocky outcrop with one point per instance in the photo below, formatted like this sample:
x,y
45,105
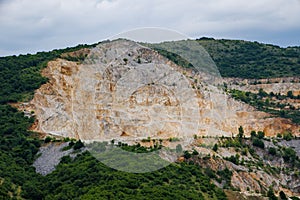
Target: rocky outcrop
x,y
275,85
254,181
127,91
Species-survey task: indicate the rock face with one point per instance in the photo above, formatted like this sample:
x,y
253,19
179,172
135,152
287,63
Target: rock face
x,y
275,85
126,91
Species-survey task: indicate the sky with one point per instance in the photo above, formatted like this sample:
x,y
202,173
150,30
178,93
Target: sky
x,y
29,26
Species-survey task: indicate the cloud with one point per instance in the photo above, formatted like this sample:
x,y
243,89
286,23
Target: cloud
x,y
28,25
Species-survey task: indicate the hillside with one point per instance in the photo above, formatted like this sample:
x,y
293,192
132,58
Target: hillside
x,y
243,65
234,58
262,159
21,75
244,59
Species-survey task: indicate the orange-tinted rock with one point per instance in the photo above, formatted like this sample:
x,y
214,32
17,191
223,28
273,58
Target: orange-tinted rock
x,y
107,98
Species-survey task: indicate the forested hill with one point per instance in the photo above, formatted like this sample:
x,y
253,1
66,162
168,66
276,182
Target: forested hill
x,y
21,75
244,59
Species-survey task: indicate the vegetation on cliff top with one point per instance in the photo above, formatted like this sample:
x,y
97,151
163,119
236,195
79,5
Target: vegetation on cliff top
x,y
21,75
244,59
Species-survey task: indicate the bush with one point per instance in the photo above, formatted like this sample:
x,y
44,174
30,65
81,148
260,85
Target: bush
x,y
282,195
260,134
71,143
290,94
295,198
287,136
187,155
174,139
229,142
241,132
47,139
195,152
210,173
78,145
244,151
271,194
67,139
272,151
226,175
65,159
258,143
215,148
289,155
253,134
234,159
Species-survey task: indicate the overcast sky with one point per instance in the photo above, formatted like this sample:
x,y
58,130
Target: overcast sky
x,y
28,26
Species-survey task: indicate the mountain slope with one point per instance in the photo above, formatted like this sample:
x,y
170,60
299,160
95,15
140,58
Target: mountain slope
x,y
237,58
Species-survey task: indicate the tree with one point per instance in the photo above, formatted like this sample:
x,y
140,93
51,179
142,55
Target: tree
x,y
234,159
253,134
260,134
47,139
290,94
272,151
78,145
267,101
187,155
241,132
271,194
282,195
66,159
258,143
262,93
289,155
215,148
195,152
287,136
71,143
30,191
282,113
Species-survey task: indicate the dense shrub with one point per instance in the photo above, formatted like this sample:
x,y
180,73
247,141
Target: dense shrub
x,y
258,143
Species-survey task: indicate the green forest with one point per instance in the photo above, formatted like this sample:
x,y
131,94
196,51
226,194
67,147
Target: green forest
x,y
244,59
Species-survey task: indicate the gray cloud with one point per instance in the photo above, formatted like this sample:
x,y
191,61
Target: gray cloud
x,y
29,26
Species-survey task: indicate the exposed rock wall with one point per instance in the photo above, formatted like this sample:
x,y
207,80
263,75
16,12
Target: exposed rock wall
x,y
124,90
